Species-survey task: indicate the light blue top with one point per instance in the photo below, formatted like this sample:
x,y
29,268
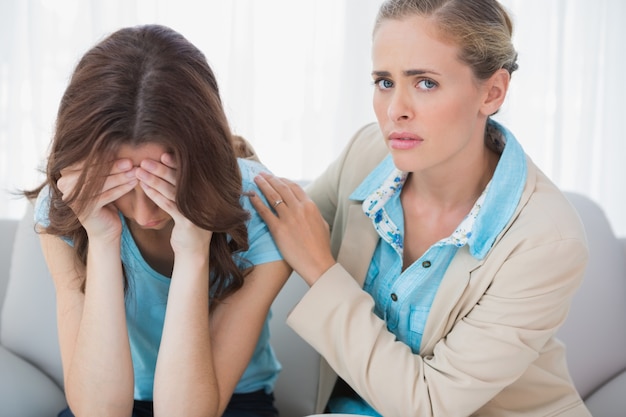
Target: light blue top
x,y
146,298
403,298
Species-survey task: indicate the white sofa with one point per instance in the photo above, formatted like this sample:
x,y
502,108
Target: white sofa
x,y
30,370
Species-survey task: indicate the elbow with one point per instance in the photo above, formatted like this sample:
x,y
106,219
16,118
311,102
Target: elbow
x,y
83,405
83,409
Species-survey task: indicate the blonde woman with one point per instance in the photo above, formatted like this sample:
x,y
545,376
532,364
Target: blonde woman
x,y
452,259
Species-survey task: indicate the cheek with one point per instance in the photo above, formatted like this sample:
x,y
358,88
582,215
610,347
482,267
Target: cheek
x,y
380,104
452,112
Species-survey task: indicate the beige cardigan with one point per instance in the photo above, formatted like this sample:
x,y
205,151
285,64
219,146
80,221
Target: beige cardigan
x,y
488,348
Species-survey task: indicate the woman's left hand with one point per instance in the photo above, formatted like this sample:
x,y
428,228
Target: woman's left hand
x,y
297,226
158,180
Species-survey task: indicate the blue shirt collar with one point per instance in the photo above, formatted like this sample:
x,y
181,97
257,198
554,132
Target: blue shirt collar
x,y
503,196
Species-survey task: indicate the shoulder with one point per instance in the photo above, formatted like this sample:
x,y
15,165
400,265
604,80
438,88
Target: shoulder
x,y
545,214
42,207
249,169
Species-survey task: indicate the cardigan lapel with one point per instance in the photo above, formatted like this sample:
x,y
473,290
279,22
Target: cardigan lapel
x,y
358,244
446,302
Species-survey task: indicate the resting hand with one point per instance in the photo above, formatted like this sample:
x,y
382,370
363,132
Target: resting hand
x,y
158,180
99,217
297,226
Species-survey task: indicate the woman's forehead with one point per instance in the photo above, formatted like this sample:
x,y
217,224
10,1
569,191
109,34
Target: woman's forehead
x,y
140,152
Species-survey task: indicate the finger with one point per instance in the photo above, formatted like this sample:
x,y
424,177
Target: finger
x,y
167,159
66,184
287,189
275,190
264,211
70,174
158,177
121,165
166,204
296,189
160,170
114,189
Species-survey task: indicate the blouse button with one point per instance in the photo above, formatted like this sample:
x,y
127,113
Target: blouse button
x,y
394,297
426,264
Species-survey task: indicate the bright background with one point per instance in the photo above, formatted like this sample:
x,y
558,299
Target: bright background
x,y
294,78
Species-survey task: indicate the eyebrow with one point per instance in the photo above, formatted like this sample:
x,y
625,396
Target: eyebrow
x,y
407,73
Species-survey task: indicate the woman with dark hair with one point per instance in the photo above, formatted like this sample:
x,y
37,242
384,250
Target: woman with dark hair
x,y
452,259
164,272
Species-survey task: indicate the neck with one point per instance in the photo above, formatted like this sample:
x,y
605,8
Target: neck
x,y
452,188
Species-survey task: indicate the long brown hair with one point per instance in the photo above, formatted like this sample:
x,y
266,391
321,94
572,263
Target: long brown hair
x,y
148,84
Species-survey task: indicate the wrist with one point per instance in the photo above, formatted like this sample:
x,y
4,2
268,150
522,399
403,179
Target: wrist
x,y
197,259
104,242
313,274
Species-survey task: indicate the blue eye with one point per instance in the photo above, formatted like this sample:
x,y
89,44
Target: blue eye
x,y
427,84
383,84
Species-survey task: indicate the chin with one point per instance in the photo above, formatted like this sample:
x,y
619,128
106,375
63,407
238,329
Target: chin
x,y
404,162
157,225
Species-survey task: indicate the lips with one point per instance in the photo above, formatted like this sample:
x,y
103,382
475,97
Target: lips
x,y
404,136
153,223
404,140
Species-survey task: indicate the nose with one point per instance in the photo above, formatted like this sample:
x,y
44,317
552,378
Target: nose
x,y
400,106
144,209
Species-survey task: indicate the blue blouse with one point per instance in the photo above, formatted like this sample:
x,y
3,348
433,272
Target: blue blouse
x,y
403,298
146,298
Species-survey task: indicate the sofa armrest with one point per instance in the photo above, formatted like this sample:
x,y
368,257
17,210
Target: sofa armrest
x,y
609,399
7,236
25,391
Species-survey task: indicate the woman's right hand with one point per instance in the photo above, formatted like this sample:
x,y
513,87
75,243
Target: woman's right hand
x,y
99,217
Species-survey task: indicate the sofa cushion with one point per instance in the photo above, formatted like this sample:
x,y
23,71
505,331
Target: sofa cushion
x,y
29,310
300,362
593,333
610,399
7,233
25,391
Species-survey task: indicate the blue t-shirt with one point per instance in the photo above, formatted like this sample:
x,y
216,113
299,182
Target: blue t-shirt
x,y
403,298
146,298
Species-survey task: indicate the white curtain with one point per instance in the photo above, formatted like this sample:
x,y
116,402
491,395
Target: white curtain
x,y
294,77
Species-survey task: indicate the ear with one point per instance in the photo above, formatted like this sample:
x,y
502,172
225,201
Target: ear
x,y
496,88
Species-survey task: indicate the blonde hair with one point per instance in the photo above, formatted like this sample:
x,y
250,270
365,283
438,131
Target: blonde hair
x,y
481,28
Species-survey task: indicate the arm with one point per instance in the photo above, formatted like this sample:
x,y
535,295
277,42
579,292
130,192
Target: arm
x,y
493,342
202,356
94,345
236,324
95,353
